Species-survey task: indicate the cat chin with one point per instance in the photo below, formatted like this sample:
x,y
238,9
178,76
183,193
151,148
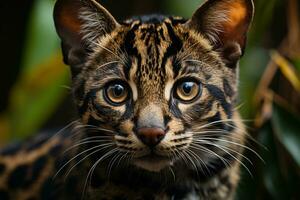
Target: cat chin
x,y
153,165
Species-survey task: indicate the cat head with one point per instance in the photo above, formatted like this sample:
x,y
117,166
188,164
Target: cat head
x,y
154,85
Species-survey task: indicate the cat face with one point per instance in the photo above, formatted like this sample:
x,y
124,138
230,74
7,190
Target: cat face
x,y
155,85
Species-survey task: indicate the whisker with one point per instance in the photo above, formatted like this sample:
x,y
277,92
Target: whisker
x,y
84,142
108,50
112,161
80,161
81,129
241,145
91,127
197,158
191,161
108,63
172,172
206,150
91,171
78,156
216,122
123,157
65,128
239,161
234,151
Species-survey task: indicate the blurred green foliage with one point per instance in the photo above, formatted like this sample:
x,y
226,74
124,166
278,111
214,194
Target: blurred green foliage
x,y
39,88
269,94
41,38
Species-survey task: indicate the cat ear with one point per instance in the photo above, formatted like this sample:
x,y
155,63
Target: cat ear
x,y
225,24
79,23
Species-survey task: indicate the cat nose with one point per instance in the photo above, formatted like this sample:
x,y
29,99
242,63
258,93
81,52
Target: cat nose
x,y
151,136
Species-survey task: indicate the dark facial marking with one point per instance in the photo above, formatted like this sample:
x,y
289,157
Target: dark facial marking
x,y
218,94
227,88
179,132
106,111
130,49
173,105
167,119
128,112
101,110
199,110
172,49
226,126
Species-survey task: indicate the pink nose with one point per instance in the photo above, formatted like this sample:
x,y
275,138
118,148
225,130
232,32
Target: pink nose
x,y
151,136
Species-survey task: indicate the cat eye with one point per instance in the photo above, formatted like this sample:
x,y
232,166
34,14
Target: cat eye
x,y
116,93
187,90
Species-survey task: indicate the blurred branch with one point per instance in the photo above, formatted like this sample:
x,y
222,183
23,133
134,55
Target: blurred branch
x,y
293,39
287,69
289,47
277,114
34,98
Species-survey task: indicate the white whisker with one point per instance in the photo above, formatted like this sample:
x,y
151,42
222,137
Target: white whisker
x,y
91,171
83,143
221,148
237,144
78,156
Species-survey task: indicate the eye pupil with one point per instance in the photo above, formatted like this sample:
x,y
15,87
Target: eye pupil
x,y
187,91
187,87
118,90
116,93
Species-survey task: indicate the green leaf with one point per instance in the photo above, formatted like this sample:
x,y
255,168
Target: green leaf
x,y
36,96
39,88
287,128
41,38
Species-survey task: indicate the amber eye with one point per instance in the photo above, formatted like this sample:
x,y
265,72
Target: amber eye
x,y
187,91
117,93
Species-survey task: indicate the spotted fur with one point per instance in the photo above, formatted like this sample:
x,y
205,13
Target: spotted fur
x,y
106,156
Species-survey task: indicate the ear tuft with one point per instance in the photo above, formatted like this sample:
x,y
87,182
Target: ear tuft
x,y
95,17
79,23
224,23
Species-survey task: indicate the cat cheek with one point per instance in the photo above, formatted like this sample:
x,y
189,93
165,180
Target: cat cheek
x,y
126,127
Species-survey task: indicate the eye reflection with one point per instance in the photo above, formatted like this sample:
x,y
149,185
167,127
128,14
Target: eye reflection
x,y
187,91
116,93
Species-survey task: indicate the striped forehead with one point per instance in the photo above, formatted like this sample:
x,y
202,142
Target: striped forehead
x,y
153,47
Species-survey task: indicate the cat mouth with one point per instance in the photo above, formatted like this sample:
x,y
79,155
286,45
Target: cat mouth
x,y
153,162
